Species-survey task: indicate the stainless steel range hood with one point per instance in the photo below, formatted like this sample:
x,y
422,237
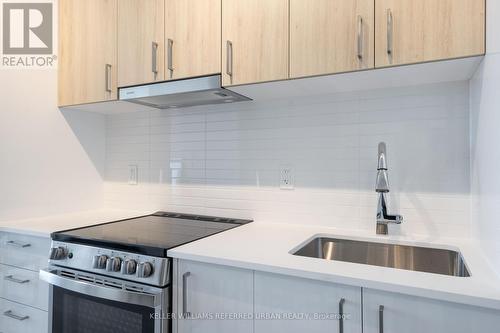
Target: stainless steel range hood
x,y
202,90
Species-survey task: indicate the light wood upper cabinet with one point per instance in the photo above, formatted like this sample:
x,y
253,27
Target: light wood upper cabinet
x,y
106,44
254,41
409,31
330,36
140,41
192,38
87,51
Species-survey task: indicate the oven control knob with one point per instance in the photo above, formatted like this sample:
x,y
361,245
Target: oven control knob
x,y
129,267
113,264
58,253
144,269
99,261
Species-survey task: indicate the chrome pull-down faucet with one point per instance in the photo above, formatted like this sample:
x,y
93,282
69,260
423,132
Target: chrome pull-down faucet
x,y
382,187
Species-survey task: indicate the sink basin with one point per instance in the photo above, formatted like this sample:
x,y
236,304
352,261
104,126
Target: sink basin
x,y
413,258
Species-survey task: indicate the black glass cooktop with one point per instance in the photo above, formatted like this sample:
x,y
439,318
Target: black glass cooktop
x,y
150,235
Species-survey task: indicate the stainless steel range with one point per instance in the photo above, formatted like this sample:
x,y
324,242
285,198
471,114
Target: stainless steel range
x,y
116,277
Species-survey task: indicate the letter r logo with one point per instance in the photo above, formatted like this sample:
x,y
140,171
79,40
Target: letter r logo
x,y
27,28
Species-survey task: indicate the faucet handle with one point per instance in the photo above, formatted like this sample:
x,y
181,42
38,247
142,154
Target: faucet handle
x,y
382,156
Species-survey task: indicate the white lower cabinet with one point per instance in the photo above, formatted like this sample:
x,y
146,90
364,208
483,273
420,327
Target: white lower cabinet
x,y
23,286
217,298
216,295
24,297
286,304
24,251
385,312
18,318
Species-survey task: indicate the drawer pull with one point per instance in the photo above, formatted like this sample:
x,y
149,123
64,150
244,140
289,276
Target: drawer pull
x,y
381,319
107,77
360,37
341,315
11,278
12,315
18,244
390,32
154,55
170,56
185,311
229,59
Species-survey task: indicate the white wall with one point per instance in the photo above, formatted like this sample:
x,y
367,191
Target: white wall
x,y
485,139
225,160
44,169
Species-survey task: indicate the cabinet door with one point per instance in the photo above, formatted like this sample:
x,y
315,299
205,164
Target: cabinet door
x,y
286,304
254,41
193,38
409,31
87,51
140,41
331,36
409,314
212,293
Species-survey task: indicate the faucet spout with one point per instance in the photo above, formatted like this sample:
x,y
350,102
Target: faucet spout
x,y
382,177
382,188
382,156
382,182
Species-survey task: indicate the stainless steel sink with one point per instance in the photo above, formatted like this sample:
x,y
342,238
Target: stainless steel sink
x,y
411,258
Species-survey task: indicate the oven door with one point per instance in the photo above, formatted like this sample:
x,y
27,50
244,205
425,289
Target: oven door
x,y
82,302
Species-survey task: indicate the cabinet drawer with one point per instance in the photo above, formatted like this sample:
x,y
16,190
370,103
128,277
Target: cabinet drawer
x,y
23,286
16,318
24,251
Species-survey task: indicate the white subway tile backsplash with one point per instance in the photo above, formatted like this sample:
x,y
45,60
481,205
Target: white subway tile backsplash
x,y
226,160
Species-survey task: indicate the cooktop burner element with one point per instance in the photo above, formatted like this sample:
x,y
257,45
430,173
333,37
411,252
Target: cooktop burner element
x,y
150,235
133,249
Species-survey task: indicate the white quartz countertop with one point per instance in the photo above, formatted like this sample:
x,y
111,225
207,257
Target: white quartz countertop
x,y
44,226
267,247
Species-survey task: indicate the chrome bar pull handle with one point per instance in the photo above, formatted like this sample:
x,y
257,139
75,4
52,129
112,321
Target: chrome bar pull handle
x,y
360,37
229,59
170,59
11,314
390,32
185,311
11,278
154,56
108,78
18,244
381,319
341,315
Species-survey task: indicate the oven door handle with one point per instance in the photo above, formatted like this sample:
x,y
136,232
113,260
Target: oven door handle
x,y
113,294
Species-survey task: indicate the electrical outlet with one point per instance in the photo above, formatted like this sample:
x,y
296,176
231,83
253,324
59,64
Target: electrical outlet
x,y
286,178
133,175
